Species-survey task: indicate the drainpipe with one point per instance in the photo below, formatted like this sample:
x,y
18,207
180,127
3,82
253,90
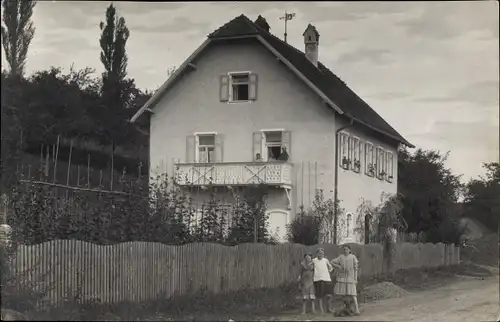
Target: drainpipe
x,y
336,180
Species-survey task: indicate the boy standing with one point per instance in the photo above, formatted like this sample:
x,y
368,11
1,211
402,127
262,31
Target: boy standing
x,y
322,280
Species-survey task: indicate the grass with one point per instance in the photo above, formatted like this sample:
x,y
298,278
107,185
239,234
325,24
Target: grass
x,y
201,306
247,304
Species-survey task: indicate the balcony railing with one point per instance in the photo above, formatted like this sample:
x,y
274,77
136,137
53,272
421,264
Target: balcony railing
x,y
234,173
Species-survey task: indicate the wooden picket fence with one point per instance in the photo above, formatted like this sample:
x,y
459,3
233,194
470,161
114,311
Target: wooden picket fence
x,y
142,271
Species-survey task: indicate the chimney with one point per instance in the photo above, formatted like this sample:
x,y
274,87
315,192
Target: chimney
x,y
311,41
262,22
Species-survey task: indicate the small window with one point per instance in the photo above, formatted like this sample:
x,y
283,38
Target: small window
x,y
369,160
389,168
206,148
344,151
239,87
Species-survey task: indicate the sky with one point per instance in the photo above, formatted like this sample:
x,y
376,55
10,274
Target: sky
x,y
430,69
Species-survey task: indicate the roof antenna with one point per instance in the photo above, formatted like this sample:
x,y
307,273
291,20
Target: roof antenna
x,y
288,16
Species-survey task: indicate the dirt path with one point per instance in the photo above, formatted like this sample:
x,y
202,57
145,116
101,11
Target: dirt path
x,y
468,299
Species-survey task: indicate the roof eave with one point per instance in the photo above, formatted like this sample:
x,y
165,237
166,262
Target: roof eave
x,y
399,139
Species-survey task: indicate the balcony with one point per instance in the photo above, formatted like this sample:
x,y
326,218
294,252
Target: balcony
x,y
274,173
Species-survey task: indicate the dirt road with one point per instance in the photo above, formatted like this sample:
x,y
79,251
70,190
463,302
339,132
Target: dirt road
x,y
469,299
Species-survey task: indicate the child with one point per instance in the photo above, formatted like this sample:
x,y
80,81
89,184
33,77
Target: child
x,y
322,280
347,279
306,282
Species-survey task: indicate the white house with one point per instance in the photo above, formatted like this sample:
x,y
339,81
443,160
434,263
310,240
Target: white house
x,y
243,97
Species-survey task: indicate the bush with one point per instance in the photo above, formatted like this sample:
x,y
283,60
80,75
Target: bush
x,y
250,218
305,229
317,224
160,212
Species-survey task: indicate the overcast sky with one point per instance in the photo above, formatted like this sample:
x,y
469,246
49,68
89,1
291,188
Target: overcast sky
x,y
431,69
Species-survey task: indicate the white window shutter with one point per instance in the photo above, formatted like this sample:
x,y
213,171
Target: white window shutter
x,y
190,148
380,163
389,166
252,87
257,145
219,152
286,141
224,88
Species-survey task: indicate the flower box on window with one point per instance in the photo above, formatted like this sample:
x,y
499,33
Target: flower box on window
x,y
346,163
357,165
371,169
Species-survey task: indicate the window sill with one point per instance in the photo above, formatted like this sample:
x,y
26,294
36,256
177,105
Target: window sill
x,y
240,102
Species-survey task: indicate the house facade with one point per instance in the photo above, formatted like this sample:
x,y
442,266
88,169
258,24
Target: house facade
x,y
246,108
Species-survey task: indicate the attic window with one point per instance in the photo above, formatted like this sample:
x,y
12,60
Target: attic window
x,y
237,87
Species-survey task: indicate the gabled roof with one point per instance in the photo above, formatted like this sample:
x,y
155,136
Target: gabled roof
x,y
323,81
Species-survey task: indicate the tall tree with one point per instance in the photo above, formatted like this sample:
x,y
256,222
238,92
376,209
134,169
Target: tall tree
x,y
430,193
117,90
482,200
17,32
113,40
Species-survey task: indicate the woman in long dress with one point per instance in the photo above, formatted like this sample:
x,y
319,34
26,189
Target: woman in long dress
x,y
347,278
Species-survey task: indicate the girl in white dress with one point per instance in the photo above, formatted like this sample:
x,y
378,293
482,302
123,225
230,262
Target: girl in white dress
x,y
322,280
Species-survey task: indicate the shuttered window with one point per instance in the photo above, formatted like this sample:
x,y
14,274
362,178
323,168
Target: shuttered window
x,y
272,145
343,147
204,148
238,87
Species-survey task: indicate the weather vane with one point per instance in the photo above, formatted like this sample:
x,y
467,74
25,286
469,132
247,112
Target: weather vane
x,y
286,17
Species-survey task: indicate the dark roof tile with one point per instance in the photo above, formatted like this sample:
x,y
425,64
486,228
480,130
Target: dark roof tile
x,y
239,26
